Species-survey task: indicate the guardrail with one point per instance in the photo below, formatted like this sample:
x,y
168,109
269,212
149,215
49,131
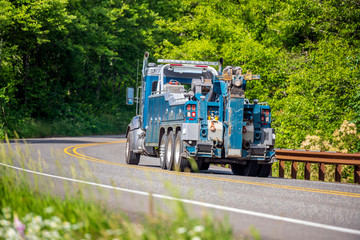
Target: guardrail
x,y
321,158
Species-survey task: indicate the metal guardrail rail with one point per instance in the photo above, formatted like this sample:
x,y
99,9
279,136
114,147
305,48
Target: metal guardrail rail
x,y
321,158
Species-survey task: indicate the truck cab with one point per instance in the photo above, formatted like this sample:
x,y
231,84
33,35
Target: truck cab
x,y
191,115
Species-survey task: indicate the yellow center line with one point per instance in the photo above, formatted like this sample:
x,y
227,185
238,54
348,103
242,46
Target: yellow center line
x,y
73,151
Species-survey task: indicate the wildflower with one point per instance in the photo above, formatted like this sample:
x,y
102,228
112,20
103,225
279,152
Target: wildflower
x,y
28,217
114,232
4,223
46,234
66,226
77,226
181,230
34,228
49,210
55,235
11,234
7,212
53,224
19,226
196,238
198,228
37,220
56,219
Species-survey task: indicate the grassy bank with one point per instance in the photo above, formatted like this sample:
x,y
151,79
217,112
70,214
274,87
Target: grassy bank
x,y
78,126
29,211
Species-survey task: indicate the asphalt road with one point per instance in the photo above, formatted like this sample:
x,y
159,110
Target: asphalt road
x,y
277,208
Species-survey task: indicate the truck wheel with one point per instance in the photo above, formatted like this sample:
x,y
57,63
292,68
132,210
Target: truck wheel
x,y
203,165
131,157
264,170
250,169
180,163
169,151
162,151
236,169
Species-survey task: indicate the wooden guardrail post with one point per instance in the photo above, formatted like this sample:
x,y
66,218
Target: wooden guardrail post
x,y
294,169
357,174
338,173
281,169
321,171
307,170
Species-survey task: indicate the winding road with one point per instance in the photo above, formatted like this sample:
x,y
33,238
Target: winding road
x,y
277,208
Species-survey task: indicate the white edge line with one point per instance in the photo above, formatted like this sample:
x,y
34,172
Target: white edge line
x,y
203,204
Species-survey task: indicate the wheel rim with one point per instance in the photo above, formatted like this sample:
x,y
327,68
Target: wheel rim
x,y
177,153
162,150
127,150
168,153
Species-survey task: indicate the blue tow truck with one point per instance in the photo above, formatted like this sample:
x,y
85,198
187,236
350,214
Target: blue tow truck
x,y
188,112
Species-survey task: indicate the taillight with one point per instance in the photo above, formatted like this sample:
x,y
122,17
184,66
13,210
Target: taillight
x,y
265,112
191,111
265,116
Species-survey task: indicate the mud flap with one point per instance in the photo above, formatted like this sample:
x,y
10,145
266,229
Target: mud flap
x,y
233,134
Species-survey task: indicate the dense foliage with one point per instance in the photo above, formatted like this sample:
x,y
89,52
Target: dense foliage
x,y
70,61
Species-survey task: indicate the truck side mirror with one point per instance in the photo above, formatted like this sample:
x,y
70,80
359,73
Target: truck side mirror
x,y
129,96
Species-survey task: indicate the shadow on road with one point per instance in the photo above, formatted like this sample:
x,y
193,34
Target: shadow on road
x,y
209,172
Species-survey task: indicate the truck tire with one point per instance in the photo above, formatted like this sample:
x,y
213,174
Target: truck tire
x,y
250,169
131,157
205,165
236,168
180,163
202,164
264,170
169,151
162,147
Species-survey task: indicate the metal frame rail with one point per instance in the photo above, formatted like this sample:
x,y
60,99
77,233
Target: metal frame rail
x,y
321,158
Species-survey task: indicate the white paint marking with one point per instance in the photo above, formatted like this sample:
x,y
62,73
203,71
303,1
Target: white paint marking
x,y
203,204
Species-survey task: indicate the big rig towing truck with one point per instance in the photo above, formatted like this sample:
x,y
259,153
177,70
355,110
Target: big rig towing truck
x,y
188,112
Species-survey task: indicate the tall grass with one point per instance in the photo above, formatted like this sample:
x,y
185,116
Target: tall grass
x,y
28,210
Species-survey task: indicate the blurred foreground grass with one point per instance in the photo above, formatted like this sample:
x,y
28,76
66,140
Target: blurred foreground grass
x,y
28,211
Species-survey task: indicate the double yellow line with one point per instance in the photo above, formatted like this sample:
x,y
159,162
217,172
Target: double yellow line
x,y
73,151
